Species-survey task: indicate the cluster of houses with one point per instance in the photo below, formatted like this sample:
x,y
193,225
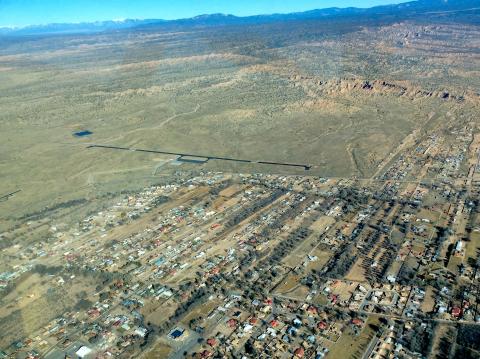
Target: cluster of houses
x,y
152,251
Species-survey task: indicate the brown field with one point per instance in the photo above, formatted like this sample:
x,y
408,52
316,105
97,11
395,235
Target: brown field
x,y
323,257
321,224
356,273
428,303
290,287
288,284
161,314
230,191
473,247
349,345
201,311
159,351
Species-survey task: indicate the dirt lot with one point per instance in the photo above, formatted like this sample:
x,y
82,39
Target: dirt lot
x,y
201,311
288,284
322,259
161,313
356,273
159,351
428,303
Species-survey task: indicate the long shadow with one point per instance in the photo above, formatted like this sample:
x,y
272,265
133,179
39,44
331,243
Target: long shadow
x,y
8,195
207,158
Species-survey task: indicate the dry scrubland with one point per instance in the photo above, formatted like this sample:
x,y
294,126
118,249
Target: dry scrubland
x,y
340,98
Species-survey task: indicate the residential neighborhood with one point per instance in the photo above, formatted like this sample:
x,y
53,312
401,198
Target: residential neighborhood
x,y
219,265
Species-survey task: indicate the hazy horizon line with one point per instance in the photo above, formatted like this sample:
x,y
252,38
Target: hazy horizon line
x,y
119,20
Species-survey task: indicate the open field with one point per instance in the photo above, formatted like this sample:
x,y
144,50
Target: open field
x,y
160,350
322,101
350,345
201,311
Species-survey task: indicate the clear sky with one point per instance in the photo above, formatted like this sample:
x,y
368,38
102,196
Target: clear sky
x,y
34,12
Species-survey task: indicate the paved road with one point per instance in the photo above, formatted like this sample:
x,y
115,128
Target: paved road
x,y
370,348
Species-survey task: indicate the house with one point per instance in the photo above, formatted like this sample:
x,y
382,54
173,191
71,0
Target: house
x,y
292,331
274,323
247,328
212,342
83,352
456,312
322,325
312,310
358,322
232,323
299,352
206,354
272,332
297,322
459,248
266,309
141,332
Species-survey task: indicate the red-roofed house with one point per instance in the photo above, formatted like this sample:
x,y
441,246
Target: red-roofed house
x,y
212,342
299,352
274,323
456,312
232,323
206,354
333,298
312,310
322,325
358,322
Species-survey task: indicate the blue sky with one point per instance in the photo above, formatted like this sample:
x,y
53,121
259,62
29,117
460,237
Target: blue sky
x,y
33,12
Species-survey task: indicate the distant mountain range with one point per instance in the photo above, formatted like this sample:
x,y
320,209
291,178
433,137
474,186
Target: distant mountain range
x,y
404,9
